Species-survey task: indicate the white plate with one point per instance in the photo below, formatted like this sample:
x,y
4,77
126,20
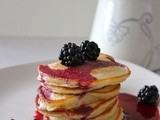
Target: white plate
x,y
18,87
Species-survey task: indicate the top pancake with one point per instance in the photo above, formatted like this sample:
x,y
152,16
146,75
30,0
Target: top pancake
x,y
93,74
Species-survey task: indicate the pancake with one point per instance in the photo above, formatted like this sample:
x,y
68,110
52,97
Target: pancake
x,y
78,90
53,101
95,74
107,107
108,114
117,114
103,106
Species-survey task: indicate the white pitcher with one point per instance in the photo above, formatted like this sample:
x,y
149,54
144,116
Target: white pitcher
x,y
130,30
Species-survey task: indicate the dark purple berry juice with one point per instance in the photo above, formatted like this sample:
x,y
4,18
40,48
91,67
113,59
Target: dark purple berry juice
x,y
135,110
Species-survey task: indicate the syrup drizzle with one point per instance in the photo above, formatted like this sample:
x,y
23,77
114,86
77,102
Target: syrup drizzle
x,y
80,73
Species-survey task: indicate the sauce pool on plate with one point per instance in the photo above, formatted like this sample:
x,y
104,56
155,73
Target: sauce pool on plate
x,y
135,110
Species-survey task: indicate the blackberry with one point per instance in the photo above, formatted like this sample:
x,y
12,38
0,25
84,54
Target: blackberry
x,y
90,50
71,55
149,95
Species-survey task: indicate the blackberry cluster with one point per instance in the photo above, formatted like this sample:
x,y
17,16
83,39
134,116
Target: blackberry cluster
x,y
71,55
149,95
90,50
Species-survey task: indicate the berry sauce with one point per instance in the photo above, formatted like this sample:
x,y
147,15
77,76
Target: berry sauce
x,y
38,116
80,73
135,110
46,92
82,110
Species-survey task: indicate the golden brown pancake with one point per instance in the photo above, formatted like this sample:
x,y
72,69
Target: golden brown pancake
x,y
107,72
78,90
107,107
112,114
60,101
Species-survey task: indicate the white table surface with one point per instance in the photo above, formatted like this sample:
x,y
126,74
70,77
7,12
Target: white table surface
x,y
21,50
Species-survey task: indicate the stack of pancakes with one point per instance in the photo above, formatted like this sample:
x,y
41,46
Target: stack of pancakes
x,y
86,92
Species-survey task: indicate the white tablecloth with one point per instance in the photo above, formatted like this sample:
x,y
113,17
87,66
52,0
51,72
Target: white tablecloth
x,y
21,50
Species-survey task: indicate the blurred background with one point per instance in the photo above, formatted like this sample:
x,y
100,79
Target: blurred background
x,y
33,30
51,18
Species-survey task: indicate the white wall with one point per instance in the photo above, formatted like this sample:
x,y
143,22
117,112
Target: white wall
x,y
46,18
